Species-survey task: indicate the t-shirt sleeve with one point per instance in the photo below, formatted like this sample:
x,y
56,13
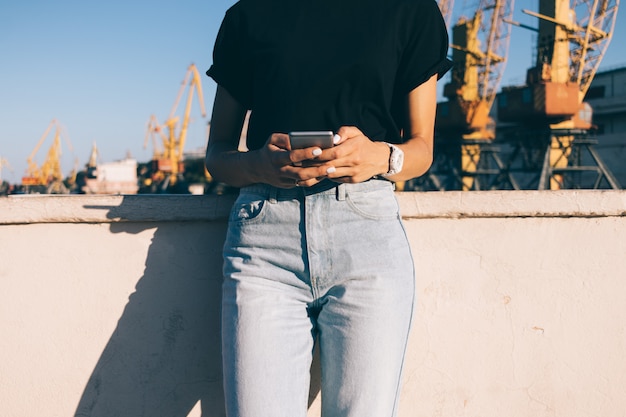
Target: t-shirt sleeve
x,y
426,48
231,66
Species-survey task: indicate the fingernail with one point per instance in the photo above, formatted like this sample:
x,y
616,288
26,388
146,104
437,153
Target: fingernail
x,y
331,170
317,152
336,139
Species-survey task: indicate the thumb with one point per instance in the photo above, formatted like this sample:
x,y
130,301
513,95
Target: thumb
x,y
346,132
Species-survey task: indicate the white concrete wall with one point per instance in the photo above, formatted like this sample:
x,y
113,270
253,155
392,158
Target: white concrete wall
x,y
109,305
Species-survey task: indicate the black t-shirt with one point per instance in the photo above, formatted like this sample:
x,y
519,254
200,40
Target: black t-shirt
x,y
323,64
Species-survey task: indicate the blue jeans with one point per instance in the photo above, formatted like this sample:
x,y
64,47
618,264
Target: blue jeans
x,y
330,262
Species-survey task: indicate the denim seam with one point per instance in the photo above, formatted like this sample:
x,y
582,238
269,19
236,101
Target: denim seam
x,y
410,325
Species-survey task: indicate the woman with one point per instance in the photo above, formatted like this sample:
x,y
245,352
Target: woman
x,y
315,247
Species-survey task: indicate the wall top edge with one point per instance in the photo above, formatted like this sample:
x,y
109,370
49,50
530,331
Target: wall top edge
x,y
413,205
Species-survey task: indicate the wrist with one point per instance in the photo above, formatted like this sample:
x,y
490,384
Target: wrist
x,y
256,169
385,154
395,162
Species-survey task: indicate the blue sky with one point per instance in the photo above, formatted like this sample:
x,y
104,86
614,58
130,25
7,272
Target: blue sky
x,y
102,68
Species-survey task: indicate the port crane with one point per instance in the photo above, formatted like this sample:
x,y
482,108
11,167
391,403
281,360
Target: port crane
x,y
4,163
168,163
572,38
50,170
463,126
480,47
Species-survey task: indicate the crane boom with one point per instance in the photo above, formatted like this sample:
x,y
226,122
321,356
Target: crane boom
x,y
194,84
589,49
497,36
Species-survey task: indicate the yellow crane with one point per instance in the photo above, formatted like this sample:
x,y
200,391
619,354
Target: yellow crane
x,y
170,160
50,169
572,38
4,163
33,172
479,51
480,46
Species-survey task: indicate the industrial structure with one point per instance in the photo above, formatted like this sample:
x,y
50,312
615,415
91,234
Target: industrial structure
x,y
464,126
47,177
540,135
167,164
572,38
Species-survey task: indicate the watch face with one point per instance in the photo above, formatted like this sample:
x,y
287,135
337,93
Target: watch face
x,y
396,160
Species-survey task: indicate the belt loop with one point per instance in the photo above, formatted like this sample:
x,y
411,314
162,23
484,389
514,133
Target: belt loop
x,y
273,194
341,192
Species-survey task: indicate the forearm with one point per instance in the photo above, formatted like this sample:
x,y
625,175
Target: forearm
x,y
223,160
419,131
418,157
231,166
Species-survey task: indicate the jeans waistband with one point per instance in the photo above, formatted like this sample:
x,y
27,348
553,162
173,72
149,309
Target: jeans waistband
x,y
340,190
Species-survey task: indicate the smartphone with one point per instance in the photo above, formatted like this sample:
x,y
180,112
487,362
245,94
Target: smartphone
x,y
322,139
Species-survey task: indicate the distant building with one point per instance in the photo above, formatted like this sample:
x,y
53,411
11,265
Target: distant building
x,y
119,177
607,97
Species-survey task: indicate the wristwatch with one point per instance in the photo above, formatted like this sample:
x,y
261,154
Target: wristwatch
x,y
396,160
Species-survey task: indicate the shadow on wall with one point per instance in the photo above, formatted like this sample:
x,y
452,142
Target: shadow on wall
x,y
164,355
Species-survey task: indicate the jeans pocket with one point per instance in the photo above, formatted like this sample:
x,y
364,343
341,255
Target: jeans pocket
x,y
248,208
376,204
